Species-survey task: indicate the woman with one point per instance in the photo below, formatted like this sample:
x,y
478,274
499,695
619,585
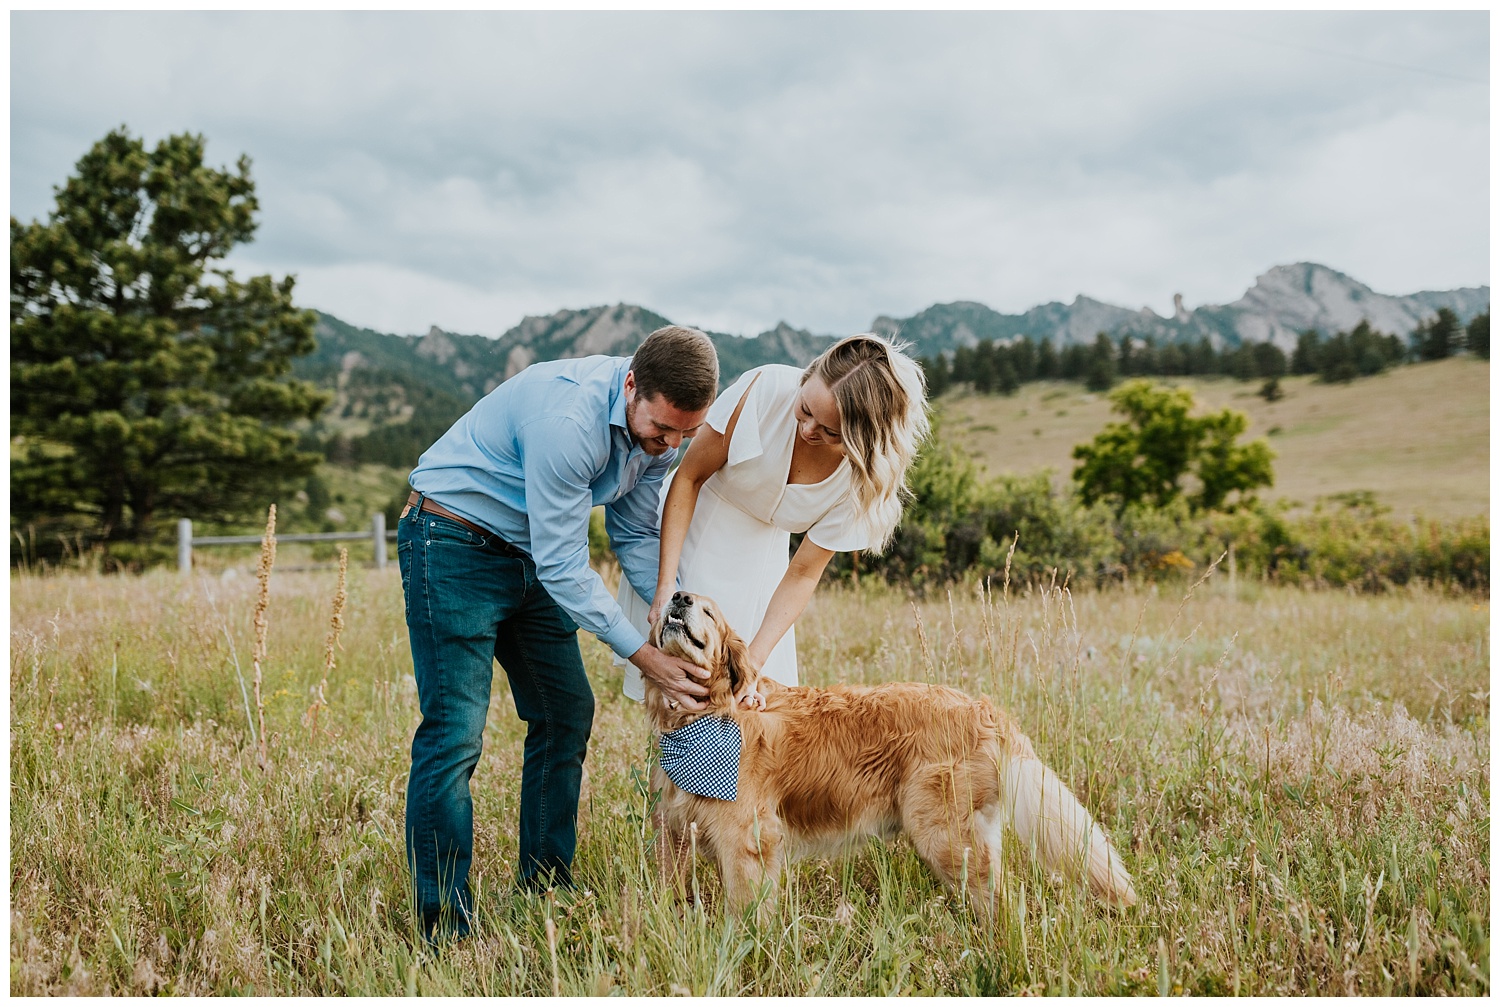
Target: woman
x,y
822,451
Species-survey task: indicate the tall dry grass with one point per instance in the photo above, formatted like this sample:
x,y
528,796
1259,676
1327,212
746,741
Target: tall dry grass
x,y
1298,781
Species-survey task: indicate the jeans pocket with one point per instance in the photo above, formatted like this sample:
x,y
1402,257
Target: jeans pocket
x,y
441,531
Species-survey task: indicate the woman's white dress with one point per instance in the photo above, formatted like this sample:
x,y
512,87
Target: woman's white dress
x,y
738,545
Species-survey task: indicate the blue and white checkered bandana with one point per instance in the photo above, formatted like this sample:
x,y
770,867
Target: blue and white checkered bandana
x,y
703,757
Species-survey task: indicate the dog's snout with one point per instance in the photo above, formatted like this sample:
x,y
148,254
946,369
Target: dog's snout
x,y
680,598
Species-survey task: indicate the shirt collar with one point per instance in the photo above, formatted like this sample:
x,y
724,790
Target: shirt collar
x,y
617,400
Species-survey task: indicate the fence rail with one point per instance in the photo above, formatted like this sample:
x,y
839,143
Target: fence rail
x,y
377,536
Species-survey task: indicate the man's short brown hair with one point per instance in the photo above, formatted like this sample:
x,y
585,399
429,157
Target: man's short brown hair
x,y
679,364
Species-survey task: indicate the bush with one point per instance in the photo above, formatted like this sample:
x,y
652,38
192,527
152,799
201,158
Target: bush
x,y
960,525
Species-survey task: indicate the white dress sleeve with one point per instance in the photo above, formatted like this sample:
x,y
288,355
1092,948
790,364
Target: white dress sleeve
x,y
838,531
746,443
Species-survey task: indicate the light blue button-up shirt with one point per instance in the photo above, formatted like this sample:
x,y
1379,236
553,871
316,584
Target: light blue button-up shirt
x,y
529,462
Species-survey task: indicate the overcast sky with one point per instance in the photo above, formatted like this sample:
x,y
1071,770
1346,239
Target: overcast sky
x,y
735,170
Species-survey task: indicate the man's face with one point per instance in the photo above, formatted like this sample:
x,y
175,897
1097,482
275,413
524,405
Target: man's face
x,y
656,424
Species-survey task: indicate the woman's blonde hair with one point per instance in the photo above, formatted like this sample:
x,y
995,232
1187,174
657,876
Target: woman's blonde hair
x,y
882,399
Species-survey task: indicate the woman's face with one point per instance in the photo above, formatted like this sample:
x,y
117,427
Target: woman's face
x,y
818,421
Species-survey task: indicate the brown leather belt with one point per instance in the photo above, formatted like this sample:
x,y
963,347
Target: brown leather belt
x,y
422,503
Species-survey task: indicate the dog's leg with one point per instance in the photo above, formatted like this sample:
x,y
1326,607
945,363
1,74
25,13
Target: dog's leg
x,y
938,813
751,867
989,827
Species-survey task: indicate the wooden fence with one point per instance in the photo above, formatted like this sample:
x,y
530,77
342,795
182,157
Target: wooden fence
x,y
377,535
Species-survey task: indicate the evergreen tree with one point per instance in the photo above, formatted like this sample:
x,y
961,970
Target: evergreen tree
x,y
1047,366
1307,358
1073,362
1368,349
935,368
1436,338
1270,361
1477,336
1127,363
1338,365
1022,354
146,380
1201,358
1171,360
1239,362
983,374
963,364
1006,381
1146,357
1101,372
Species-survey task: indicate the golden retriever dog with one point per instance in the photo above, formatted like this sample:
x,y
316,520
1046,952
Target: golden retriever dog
x,y
823,769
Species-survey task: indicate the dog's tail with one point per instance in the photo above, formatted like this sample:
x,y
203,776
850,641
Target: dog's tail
x,y
1061,833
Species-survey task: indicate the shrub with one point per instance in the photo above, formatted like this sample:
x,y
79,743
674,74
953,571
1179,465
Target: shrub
x,y
960,525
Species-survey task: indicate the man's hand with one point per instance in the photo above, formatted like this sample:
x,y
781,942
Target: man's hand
x,y
674,676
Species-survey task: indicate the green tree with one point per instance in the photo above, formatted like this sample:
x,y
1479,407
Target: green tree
x,y
1022,357
983,374
1145,459
1477,336
1307,358
1370,349
938,375
1337,361
146,380
1101,371
1270,360
1047,364
1437,338
1006,381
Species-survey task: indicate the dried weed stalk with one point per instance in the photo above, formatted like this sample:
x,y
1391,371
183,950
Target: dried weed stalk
x,y
262,602
331,646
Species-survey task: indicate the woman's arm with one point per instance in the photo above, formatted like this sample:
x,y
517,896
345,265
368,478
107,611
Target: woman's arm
x,y
791,597
706,454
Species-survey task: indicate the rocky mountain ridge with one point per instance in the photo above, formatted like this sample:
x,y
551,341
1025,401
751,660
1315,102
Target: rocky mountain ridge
x,y
383,380
1283,302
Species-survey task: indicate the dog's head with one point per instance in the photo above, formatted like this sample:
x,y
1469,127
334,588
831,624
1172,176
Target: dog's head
x,y
692,627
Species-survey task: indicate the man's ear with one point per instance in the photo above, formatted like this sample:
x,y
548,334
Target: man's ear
x,y
737,660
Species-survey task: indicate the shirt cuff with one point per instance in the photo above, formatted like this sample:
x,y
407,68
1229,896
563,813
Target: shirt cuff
x,y
623,638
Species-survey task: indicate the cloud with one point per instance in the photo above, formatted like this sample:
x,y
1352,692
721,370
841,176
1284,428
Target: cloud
x,y
739,169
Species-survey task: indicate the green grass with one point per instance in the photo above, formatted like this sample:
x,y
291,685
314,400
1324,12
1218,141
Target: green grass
x,y
1299,782
1417,436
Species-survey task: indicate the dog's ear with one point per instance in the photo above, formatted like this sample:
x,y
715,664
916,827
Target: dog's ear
x,y
737,660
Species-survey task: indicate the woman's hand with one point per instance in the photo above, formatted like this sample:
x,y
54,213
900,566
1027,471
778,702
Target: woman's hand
x,y
658,605
752,699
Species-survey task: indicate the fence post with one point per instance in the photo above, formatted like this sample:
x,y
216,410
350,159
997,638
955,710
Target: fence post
x,y
377,532
184,545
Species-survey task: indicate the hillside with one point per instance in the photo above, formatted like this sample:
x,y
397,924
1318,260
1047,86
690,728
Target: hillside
x,y
1416,436
395,394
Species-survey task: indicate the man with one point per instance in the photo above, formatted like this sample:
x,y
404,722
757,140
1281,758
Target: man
x,y
494,563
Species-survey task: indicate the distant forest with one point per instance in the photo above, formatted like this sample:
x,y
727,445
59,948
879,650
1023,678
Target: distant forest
x,y
991,368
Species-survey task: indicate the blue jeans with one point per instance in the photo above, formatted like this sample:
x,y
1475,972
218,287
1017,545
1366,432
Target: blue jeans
x,y
472,599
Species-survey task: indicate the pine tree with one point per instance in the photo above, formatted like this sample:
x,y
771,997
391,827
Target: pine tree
x,y
146,380
1307,358
1477,336
1436,338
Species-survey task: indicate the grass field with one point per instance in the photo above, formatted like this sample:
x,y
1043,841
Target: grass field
x,y
1298,781
1416,436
